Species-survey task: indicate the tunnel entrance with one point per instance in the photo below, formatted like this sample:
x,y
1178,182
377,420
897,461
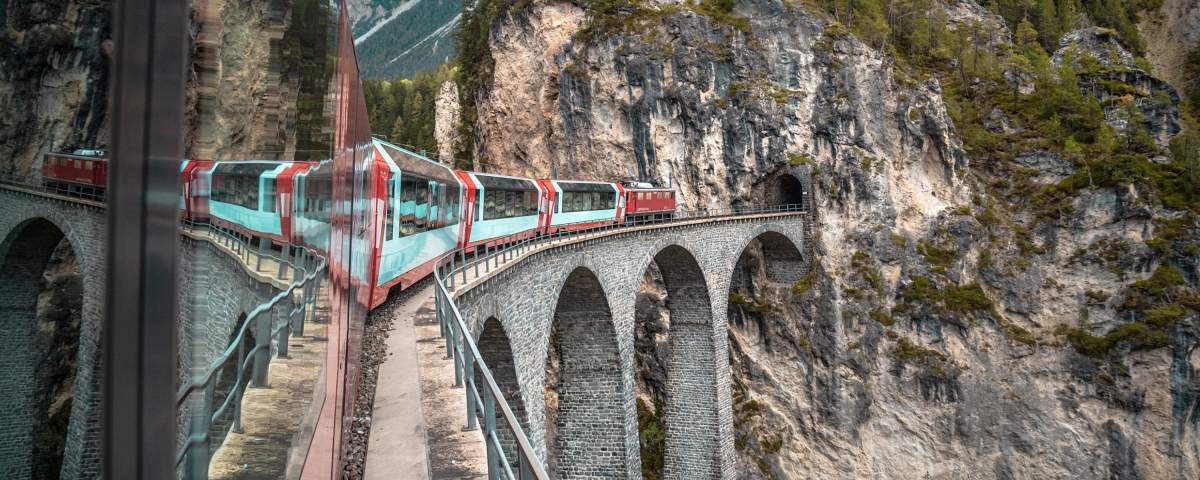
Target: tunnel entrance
x,y
497,355
783,189
585,410
41,297
676,370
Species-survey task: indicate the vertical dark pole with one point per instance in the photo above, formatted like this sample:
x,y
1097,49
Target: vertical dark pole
x,y
146,105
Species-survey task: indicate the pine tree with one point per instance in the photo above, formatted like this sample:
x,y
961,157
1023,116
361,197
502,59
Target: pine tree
x,y
1048,24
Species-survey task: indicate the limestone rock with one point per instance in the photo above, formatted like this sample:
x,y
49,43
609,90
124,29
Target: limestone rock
x,y
445,122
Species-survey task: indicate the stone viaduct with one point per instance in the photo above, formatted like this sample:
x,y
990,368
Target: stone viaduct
x,y
557,329
32,225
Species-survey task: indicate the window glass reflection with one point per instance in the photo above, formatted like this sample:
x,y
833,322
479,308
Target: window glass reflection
x,y
54,79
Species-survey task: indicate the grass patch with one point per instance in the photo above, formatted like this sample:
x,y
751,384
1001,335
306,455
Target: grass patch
x,y
907,352
805,284
967,298
936,255
883,317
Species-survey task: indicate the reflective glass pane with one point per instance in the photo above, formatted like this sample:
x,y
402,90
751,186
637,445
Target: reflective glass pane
x,y
273,289
55,69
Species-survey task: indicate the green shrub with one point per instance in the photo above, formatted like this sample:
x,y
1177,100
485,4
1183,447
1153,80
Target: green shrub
x,y
805,284
935,255
883,317
1165,316
967,298
1139,335
922,290
797,159
652,437
861,262
907,352
1018,334
1144,294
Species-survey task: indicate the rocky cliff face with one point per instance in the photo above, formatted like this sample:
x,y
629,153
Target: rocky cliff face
x,y
944,330
260,71
54,70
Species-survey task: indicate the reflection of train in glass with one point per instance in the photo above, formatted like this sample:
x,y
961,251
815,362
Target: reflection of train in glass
x,y
422,211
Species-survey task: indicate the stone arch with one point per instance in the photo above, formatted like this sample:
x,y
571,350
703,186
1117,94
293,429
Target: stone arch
x,y
692,444
496,349
584,398
772,251
41,310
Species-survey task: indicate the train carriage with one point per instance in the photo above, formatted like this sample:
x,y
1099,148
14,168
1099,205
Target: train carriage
x,y
500,208
645,203
193,202
78,175
578,205
418,220
254,196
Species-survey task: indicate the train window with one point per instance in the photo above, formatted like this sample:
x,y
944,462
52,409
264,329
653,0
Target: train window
x,y
268,196
79,164
489,204
452,203
422,207
391,210
88,166
238,183
408,197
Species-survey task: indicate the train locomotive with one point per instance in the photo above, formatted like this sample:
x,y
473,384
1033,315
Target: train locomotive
x,y
420,209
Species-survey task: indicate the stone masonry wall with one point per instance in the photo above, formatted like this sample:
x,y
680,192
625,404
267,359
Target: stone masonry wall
x,y
83,227
213,290
524,298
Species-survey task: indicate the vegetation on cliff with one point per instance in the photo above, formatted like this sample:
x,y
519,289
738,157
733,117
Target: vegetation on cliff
x,y
403,110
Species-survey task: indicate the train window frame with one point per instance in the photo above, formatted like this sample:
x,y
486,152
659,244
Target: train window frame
x,y
390,211
266,199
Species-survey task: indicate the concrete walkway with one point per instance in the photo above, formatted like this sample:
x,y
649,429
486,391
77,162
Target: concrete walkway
x,y
397,447
417,425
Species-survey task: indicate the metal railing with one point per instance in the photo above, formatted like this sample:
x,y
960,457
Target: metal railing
x,y
460,343
28,183
249,363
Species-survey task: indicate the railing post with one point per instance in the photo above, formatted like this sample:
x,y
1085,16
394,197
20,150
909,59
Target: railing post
x,y
472,388
298,321
285,332
450,333
459,338
283,265
198,454
262,352
263,249
489,427
237,384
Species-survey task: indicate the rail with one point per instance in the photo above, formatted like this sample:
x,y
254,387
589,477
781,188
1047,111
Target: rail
x,y
460,344
252,361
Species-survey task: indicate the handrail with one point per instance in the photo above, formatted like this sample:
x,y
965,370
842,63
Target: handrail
x,y
308,267
460,341
61,190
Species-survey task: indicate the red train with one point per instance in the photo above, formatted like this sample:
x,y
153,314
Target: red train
x,y
76,174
